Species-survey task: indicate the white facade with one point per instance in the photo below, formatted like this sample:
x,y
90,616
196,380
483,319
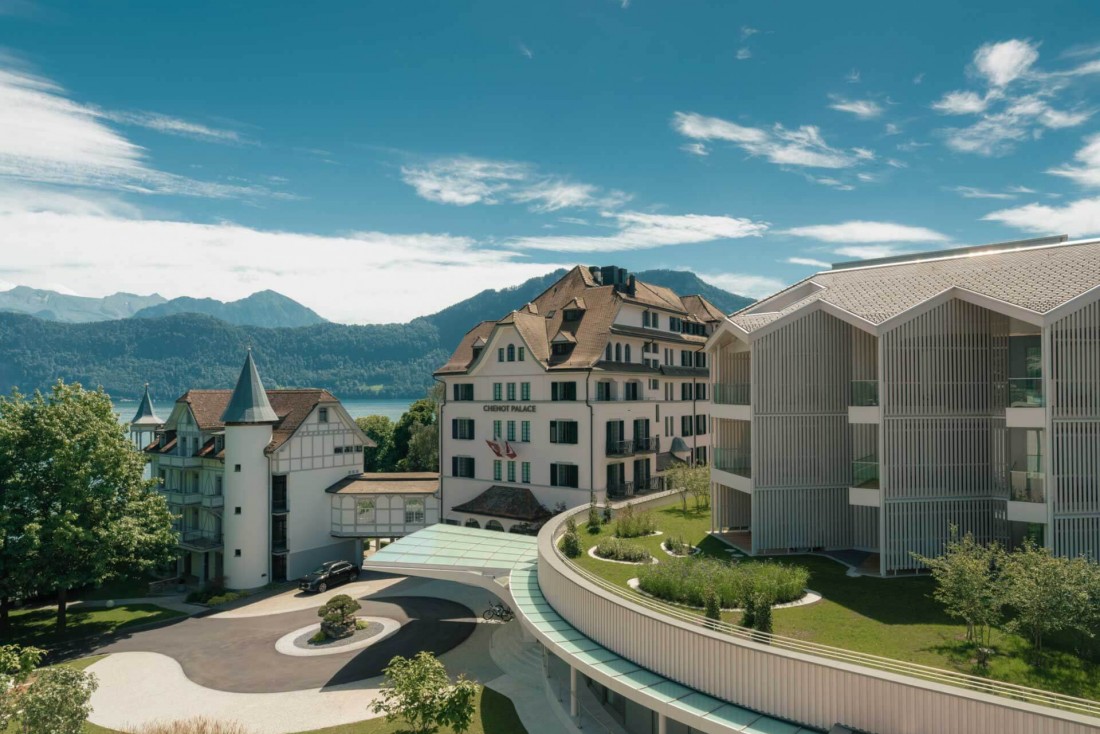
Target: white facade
x,y
877,431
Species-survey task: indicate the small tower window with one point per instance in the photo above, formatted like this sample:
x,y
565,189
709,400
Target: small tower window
x,y
237,552
322,415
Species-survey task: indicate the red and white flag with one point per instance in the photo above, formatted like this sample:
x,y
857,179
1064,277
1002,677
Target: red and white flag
x,y
494,446
509,451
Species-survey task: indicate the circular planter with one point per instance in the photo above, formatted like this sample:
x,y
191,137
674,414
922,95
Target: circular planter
x,y
592,553
654,534
692,550
808,597
290,643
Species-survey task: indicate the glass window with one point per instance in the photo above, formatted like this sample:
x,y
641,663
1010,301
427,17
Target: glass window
x,y
464,391
322,415
511,430
563,432
462,428
462,466
522,353
563,391
496,470
498,391
525,432
524,389
511,391
414,511
496,429
500,354
525,472
511,471
564,475
511,352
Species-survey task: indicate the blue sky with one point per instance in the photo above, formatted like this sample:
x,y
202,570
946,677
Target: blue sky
x,y
380,161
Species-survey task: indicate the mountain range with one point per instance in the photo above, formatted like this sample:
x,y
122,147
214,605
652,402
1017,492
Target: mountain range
x,y
177,348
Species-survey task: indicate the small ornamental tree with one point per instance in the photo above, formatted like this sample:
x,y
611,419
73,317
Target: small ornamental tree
x,y
762,609
418,691
593,518
56,701
16,665
571,545
338,616
690,480
969,584
711,606
1046,593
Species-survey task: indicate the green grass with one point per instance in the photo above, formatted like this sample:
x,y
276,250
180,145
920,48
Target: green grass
x,y
37,626
895,618
118,589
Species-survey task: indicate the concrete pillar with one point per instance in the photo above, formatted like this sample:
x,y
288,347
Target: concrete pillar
x,y
662,724
574,704
202,567
359,552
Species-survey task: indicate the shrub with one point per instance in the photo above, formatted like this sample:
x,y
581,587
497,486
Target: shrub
x,y
361,624
226,597
677,547
56,701
318,638
593,519
617,550
419,691
762,607
198,725
748,614
571,545
684,581
630,524
712,606
571,525
338,616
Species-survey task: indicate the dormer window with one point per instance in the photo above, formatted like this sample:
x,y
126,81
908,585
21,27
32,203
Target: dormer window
x,y
561,348
571,314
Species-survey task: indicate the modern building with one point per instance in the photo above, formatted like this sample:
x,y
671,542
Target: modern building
x,y
268,484
875,405
590,390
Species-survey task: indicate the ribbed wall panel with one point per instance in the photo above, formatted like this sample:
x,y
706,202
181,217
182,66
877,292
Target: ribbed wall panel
x,y
1077,536
1075,467
803,367
801,518
865,528
864,355
944,457
1075,364
924,526
732,509
802,451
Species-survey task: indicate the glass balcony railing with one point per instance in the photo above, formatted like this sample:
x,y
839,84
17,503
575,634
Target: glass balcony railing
x,y
734,461
865,472
864,393
1025,392
1026,480
736,393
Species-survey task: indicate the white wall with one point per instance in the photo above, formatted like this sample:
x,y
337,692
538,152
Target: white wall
x,y
247,489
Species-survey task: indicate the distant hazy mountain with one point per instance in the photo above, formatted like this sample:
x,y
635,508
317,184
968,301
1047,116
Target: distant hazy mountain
x,y
265,308
454,321
182,349
54,306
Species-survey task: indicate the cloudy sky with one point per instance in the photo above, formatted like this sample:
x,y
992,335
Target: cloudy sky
x,y
379,161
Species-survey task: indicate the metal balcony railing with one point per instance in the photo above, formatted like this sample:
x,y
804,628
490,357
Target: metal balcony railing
x,y
864,393
200,540
1025,392
647,445
865,472
622,447
734,393
177,496
734,461
620,489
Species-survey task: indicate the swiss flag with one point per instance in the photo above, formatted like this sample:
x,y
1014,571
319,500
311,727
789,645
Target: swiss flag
x,y
509,451
493,446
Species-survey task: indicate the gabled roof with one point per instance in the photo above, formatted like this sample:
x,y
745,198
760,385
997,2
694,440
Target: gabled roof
x,y
249,403
512,503
542,322
387,483
1037,278
145,415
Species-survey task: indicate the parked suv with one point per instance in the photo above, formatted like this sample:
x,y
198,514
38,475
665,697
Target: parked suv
x,y
329,574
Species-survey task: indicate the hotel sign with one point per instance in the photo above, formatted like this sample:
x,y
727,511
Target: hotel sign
x,y
509,408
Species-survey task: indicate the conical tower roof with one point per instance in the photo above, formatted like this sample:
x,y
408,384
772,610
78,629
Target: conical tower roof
x,y
249,403
145,415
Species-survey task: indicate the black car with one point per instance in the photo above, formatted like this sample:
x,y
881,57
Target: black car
x,y
330,573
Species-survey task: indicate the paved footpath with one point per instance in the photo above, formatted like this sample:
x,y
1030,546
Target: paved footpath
x,y
172,673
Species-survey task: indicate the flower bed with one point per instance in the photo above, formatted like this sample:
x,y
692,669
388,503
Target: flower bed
x,y
614,549
685,581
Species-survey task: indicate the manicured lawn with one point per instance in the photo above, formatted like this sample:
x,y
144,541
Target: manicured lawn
x,y
36,627
119,589
894,617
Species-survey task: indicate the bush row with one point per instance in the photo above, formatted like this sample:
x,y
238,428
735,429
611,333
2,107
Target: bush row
x,y
686,581
630,524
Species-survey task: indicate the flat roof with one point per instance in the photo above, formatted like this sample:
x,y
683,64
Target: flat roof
x,y
450,547
387,483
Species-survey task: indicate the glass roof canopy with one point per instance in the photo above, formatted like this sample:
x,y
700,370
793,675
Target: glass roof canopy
x,y
493,553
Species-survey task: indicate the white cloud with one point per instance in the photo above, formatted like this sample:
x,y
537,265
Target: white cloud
x,y
381,277
869,252
895,163
864,109
803,146
695,148
864,154
47,138
747,32
919,78
1076,219
1087,172
1021,190
463,180
857,231
892,129
641,231
834,183
174,126
1004,62
852,77
961,103
743,53
809,262
526,51
743,284
971,192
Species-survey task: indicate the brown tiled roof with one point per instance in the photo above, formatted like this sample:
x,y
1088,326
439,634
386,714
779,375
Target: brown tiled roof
x,y
702,309
512,503
387,483
292,407
541,321
1038,279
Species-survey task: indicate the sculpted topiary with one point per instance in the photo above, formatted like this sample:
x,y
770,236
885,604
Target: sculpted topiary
x,y
338,616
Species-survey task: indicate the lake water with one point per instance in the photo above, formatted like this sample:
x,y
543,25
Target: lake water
x,y
392,409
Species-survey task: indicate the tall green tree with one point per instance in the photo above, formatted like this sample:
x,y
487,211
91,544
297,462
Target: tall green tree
x,y
970,584
76,482
420,413
380,458
1047,593
419,691
423,449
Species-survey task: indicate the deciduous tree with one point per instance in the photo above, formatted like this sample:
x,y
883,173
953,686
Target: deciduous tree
x,y
379,458
1047,593
56,701
969,583
419,691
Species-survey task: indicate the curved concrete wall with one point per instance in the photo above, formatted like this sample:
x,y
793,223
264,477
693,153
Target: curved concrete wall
x,y
804,688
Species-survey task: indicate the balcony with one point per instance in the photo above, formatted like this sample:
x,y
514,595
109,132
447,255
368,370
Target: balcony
x,y
279,506
279,545
864,394
1026,480
734,461
213,501
177,496
200,540
865,472
736,393
1025,392
647,445
620,448
620,489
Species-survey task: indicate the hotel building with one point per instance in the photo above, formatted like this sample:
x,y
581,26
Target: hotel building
x,y
872,406
268,484
589,391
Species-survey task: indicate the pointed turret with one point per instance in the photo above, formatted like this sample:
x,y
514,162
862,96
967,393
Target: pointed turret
x,y
145,415
249,403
